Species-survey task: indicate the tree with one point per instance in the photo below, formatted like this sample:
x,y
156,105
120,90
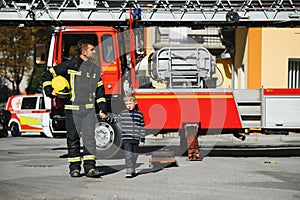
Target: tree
x,y
16,50
34,82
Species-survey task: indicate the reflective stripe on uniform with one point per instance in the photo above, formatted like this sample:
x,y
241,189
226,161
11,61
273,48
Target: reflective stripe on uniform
x,y
89,105
74,159
52,71
46,83
99,84
73,73
89,157
77,107
102,99
71,107
88,75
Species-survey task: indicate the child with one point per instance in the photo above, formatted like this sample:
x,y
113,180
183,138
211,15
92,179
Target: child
x,y
133,132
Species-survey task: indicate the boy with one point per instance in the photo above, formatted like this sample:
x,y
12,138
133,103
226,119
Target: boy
x,y
133,132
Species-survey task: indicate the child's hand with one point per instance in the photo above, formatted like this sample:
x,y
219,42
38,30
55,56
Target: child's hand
x,y
142,144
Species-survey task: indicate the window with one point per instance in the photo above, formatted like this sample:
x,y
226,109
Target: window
x,y
70,46
42,103
294,73
29,103
108,48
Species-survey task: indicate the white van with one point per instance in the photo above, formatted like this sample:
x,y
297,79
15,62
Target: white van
x,y
35,113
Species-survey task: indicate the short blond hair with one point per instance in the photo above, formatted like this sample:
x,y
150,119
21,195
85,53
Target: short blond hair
x,y
128,97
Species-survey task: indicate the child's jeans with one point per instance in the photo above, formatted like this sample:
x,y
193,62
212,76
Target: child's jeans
x,y
131,155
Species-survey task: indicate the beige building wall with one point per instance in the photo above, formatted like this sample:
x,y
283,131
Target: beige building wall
x,y
270,69
278,45
241,57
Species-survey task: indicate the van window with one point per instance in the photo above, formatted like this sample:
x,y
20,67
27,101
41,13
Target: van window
x,y
29,103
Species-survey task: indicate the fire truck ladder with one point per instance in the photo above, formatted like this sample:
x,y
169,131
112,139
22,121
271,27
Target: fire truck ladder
x,y
152,12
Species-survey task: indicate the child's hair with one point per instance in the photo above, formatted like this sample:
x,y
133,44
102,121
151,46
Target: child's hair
x,y
128,97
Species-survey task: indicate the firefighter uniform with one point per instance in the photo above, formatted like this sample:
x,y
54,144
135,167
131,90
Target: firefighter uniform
x,y
86,92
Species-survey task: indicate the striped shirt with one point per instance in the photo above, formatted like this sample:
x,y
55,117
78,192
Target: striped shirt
x,y
132,123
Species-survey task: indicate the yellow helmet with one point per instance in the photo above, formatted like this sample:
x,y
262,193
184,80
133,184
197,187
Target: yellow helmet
x,y
61,86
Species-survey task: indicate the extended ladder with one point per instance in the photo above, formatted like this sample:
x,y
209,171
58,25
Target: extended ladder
x,y
153,12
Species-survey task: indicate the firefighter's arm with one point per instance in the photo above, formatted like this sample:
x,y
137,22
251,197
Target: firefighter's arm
x,y
47,83
100,99
49,74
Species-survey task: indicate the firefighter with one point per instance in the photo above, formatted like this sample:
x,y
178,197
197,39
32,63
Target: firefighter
x,y
86,90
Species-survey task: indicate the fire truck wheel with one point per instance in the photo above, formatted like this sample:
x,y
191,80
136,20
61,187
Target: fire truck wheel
x,y
108,140
14,129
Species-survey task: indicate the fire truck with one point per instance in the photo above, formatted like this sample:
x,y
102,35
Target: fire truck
x,y
178,89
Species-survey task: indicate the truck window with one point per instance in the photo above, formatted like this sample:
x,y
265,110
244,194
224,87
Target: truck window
x,y
70,46
29,103
108,48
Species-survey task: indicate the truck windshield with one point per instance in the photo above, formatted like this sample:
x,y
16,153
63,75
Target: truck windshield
x,y
70,46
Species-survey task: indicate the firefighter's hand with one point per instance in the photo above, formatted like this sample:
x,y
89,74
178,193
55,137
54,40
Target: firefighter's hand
x,y
102,115
52,95
142,144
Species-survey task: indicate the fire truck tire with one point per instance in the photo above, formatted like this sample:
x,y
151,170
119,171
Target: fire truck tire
x,y
14,129
108,140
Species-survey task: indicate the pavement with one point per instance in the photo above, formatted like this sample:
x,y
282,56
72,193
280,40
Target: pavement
x,y
260,167
252,140
228,140
255,144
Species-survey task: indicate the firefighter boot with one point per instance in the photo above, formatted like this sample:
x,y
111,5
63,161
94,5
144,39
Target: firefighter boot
x,y
93,173
74,165
89,164
75,173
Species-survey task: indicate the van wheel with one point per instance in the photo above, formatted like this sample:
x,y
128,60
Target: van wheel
x,y
14,129
108,140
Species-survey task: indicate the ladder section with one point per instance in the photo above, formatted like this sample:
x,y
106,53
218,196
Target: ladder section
x,y
152,12
183,67
249,103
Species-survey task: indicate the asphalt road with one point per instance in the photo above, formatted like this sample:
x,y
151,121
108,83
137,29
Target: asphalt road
x,y
34,167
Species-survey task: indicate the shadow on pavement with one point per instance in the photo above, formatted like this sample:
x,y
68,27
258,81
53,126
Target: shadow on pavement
x,y
232,151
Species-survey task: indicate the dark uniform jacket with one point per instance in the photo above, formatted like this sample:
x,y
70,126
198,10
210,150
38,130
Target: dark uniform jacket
x,y
86,86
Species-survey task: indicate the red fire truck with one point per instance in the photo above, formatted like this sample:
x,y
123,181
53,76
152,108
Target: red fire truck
x,y
178,90
188,102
